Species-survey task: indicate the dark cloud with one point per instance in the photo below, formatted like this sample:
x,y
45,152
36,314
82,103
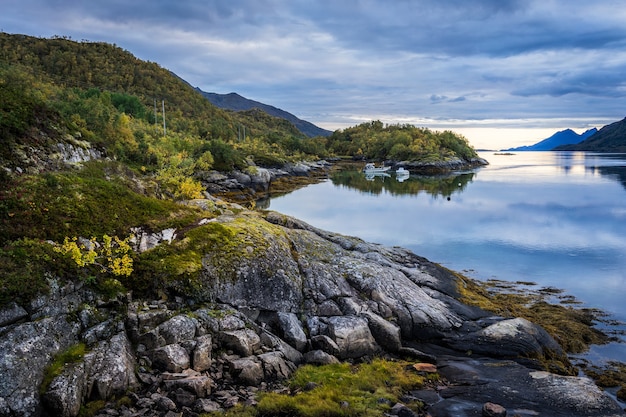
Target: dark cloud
x,y
437,98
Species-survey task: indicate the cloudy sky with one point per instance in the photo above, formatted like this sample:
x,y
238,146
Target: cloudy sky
x,y
501,72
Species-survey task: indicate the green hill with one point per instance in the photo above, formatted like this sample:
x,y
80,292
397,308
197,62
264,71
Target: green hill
x,y
88,86
611,138
373,140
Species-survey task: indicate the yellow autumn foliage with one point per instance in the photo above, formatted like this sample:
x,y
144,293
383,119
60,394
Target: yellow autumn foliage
x,y
112,254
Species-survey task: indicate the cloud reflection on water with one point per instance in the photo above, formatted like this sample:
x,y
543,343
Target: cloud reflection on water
x,y
540,216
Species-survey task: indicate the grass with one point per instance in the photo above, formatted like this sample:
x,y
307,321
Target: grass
x,y
340,390
101,198
25,264
98,199
343,390
71,355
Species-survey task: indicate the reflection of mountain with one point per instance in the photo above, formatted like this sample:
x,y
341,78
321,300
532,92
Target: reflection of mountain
x,y
614,172
439,185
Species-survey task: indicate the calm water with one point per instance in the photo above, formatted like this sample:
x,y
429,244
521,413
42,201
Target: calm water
x,y
556,219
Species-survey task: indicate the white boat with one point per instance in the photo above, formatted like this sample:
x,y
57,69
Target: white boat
x,y
370,176
402,174
372,169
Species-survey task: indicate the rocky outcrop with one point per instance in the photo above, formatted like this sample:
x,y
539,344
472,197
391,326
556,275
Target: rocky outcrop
x,y
257,179
363,296
291,294
49,151
516,389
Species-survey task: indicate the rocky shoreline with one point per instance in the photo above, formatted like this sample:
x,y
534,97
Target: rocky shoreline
x,y
286,296
254,184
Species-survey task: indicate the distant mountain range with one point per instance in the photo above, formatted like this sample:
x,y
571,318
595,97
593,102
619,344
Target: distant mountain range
x,y
564,137
611,138
235,102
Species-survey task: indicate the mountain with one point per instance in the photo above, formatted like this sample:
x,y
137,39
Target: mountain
x,y
564,137
611,138
235,102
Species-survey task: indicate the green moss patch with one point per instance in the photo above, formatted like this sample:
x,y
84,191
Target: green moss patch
x,y
343,390
25,264
89,202
71,355
222,244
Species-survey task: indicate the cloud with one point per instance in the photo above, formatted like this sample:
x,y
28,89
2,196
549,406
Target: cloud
x,y
347,61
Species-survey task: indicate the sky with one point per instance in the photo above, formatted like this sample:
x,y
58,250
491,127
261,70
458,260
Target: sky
x,y
502,73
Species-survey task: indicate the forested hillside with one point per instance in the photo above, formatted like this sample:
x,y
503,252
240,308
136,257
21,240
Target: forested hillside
x,y
116,101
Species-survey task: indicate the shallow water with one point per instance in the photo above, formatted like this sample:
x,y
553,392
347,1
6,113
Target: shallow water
x,y
557,219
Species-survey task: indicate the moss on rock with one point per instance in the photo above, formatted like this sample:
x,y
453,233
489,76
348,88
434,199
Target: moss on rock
x,y
216,251
572,328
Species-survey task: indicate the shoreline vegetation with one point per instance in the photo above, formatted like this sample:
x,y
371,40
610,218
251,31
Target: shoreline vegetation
x,y
86,174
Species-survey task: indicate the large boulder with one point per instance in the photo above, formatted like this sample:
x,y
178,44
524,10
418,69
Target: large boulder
x,y
175,330
472,382
110,368
261,178
248,371
195,383
275,343
25,351
66,392
244,342
352,336
201,359
30,341
171,358
386,334
510,338
255,269
275,366
105,372
287,326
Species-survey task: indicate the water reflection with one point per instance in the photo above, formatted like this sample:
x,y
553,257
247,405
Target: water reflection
x,y
611,166
394,184
617,173
557,219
